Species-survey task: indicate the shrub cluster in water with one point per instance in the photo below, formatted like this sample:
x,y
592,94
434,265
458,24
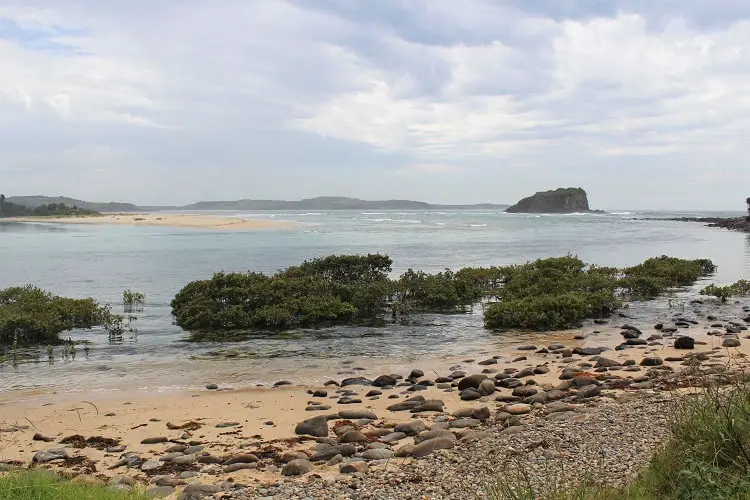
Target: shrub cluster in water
x,y
30,315
545,294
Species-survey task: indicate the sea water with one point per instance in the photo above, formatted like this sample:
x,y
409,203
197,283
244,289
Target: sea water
x,y
101,261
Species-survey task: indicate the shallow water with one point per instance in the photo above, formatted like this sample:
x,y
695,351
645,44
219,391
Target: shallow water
x,y
102,261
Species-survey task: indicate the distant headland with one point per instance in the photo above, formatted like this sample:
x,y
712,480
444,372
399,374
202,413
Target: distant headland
x,y
319,203
558,201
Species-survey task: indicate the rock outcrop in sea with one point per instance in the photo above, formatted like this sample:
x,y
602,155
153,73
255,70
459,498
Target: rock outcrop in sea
x,y
558,201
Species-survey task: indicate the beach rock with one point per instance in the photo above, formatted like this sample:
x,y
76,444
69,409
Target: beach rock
x,y
150,465
317,427
41,437
168,481
209,459
290,455
731,343
354,437
733,329
527,348
602,362
317,408
404,405
282,382
462,423
345,450
589,391
487,362
411,428
684,343
357,415
632,328
482,413
393,437
472,381
629,334
320,394
159,492
243,458
378,454
652,361
470,395
212,387
426,447
510,383
116,449
297,467
355,381
434,434
185,460
373,393
353,468
433,405
540,370
50,454
524,391
517,409
155,440
416,374
486,387
633,342
236,467
588,351
384,380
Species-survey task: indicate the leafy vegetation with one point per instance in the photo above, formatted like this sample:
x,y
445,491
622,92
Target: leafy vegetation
x,y
706,457
43,485
30,315
545,294
723,293
8,209
133,301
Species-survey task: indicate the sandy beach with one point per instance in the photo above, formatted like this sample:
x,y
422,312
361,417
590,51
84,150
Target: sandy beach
x,y
166,220
567,374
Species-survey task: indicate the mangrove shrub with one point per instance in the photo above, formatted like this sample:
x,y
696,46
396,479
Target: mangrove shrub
x,y
551,293
30,315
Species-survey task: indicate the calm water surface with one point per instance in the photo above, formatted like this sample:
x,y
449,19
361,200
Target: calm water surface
x,y
102,261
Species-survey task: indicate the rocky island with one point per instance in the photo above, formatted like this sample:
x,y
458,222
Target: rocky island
x,y
559,201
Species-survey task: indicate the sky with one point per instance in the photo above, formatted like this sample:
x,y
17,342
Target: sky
x,y
644,103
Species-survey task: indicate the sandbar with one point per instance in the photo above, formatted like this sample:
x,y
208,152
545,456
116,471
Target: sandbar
x,y
167,220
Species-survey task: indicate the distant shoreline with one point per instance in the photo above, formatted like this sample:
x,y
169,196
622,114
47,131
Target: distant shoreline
x,y
165,220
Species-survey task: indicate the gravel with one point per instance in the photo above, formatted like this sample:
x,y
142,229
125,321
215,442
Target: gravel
x,y
614,439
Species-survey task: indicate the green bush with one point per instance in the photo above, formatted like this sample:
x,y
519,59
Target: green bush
x,y
30,315
552,293
708,453
550,312
741,287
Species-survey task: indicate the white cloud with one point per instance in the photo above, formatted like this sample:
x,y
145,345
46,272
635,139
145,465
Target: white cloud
x,y
244,95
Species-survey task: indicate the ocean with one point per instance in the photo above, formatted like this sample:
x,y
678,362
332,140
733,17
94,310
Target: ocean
x,y
101,261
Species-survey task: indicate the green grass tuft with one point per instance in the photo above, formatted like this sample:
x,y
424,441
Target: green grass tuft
x,y
43,485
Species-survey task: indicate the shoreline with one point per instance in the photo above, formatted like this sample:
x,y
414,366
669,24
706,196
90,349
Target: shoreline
x,y
739,224
257,427
163,220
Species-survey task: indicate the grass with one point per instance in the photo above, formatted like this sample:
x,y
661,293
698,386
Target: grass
x,y
707,457
43,485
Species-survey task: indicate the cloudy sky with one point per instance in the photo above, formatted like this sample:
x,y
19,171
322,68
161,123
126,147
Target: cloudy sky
x,y
645,103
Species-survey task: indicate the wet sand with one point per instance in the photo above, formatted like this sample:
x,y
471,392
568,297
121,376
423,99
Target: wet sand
x,y
157,219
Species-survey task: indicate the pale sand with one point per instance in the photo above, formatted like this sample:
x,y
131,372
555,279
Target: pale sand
x,y
62,415
167,220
